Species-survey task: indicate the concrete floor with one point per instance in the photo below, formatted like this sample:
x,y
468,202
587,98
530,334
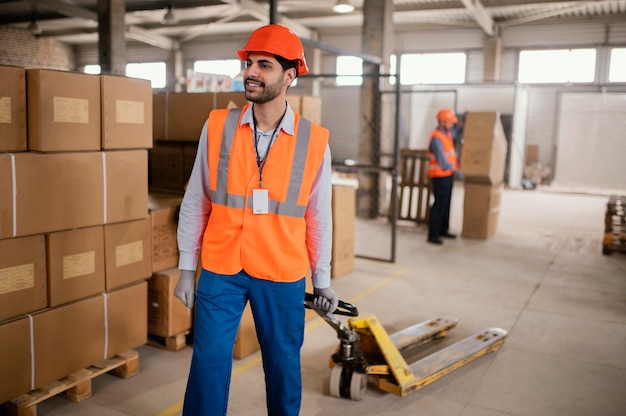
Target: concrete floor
x,y
542,277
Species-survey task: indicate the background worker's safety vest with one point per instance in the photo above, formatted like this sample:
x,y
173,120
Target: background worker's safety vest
x,y
435,170
268,246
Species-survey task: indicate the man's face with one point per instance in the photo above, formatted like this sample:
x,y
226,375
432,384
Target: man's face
x,y
264,78
446,125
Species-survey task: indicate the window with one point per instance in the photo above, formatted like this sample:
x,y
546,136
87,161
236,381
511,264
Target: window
x,y
92,69
230,67
433,68
617,65
349,70
152,71
557,66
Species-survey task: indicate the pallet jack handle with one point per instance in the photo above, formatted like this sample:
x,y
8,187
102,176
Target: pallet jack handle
x,y
344,308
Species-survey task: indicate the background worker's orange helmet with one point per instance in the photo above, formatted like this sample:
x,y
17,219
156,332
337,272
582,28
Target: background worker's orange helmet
x,y
448,115
277,40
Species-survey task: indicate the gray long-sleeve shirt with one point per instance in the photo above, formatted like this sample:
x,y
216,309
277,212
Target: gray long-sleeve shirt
x,y
196,206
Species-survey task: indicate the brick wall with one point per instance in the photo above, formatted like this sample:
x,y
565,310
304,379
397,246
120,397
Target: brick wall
x,y
18,47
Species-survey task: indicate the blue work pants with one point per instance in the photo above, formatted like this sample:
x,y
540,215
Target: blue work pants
x,y
278,311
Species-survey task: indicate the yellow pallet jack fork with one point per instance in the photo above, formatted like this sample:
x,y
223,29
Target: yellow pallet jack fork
x,y
366,350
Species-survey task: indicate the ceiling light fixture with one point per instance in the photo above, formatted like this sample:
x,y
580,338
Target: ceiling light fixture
x,y
169,16
343,6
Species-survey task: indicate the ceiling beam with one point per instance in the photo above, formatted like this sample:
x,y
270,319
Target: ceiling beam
x,y
548,14
132,32
194,32
66,9
150,38
480,15
262,13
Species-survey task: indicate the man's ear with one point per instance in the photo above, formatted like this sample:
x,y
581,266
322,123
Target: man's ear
x,y
290,76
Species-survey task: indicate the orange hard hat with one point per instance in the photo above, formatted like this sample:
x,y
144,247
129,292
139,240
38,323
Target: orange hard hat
x,y
448,115
277,40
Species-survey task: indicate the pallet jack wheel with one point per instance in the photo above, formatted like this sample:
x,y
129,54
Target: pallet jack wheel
x,y
344,382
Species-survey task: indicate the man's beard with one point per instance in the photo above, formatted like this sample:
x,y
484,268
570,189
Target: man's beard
x,y
267,92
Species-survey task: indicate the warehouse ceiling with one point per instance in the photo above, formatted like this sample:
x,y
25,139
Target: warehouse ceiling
x,y
76,21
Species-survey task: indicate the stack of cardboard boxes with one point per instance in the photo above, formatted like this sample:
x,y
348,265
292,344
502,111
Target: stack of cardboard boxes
x,y
74,231
178,121
483,162
169,320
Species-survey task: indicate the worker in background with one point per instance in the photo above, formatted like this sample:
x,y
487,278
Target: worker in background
x,y
258,210
443,164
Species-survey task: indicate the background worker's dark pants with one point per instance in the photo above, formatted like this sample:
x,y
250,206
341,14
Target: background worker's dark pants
x,y
439,216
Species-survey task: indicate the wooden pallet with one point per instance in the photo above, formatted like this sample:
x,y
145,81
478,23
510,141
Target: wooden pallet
x,y
615,226
75,387
173,343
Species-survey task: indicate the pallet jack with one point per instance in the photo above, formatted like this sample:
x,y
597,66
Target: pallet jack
x,y
367,350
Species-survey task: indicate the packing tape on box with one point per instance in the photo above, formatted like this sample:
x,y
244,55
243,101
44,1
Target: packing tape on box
x,y
106,325
104,179
32,352
14,193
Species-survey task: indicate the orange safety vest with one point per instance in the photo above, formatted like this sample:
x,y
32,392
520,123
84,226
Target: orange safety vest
x,y
435,171
268,246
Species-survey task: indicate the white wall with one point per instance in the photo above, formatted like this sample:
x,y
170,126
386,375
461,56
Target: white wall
x,y
591,141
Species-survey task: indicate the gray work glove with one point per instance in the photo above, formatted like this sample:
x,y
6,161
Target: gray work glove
x,y
326,299
186,287
459,174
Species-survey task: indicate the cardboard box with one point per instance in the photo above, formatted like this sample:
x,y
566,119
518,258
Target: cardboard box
x,y
15,364
126,112
75,264
12,109
307,106
164,226
50,192
532,154
63,110
482,125
167,168
68,338
23,287
127,185
343,208
187,112
127,318
167,316
481,209
71,187
230,99
484,149
127,253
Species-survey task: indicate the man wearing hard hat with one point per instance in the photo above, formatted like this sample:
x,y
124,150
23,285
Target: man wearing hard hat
x,y
258,210
443,164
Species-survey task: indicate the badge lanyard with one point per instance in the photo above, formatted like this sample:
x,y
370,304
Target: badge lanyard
x,y
260,162
260,197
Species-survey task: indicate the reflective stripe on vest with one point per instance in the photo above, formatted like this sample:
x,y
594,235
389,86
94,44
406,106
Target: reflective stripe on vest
x,y
288,208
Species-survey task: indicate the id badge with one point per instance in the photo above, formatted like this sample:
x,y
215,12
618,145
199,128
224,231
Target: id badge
x,y
260,201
